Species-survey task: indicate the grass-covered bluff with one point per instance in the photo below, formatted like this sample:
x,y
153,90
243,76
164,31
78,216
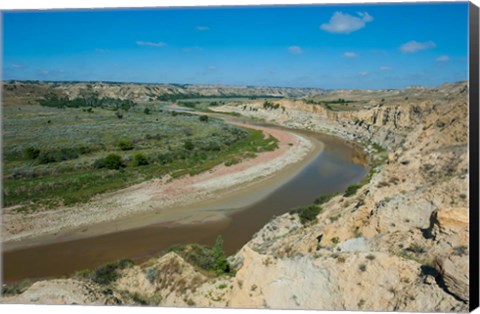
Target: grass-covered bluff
x,y
55,156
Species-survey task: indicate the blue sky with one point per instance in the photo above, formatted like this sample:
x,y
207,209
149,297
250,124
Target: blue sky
x,y
327,46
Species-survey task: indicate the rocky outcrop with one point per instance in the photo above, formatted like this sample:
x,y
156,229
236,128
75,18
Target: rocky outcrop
x,y
411,216
454,271
65,291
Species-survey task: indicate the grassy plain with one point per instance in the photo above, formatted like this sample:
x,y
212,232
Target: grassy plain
x,y
54,156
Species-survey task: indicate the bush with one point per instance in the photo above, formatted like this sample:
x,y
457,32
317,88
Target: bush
x,y
351,190
16,288
362,267
307,214
107,273
210,259
125,263
146,111
113,161
125,144
99,163
31,152
151,274
140,160
220,261
325,198
188,145
57,155
203,118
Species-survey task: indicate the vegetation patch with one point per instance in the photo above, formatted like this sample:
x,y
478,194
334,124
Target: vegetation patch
x,y
307,214
16,288
56,155
210,259
325,198
107,273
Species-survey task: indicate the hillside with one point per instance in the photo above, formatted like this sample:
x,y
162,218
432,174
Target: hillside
x,y
32,91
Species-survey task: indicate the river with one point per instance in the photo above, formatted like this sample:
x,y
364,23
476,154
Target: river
x,y
331,170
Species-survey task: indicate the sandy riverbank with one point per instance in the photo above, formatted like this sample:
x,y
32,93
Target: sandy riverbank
x,y
185,200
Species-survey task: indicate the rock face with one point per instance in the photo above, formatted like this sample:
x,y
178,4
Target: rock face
x,y
63,291
399,242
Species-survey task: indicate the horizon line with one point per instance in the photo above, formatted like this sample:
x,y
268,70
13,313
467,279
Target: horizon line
x,y
228,85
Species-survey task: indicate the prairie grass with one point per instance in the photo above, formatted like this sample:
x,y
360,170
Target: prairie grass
x,y
78,142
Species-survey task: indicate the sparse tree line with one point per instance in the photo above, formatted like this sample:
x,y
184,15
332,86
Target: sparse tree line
x,y
327,103
52,100
186,149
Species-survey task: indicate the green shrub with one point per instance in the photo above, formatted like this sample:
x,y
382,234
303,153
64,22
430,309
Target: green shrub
x,y
151,274
188,145
140,160
210,259
113,161
108,273
99,163
62,154
307,214
105,274
203,118
232,161
125,144
16,288
146,111
351,190
31,152
125,263
220,261
325,198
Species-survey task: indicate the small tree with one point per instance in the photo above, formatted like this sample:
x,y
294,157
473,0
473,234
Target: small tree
x,y
220,264
146,111
204,118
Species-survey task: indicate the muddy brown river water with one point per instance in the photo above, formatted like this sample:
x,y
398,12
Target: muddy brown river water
x,y
332,170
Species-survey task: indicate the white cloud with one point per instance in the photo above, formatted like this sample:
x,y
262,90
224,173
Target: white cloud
x,y
17,66
365,16
364,73
150,44
414,46
345,23
385,68
295,50
202,28
443,59
350,54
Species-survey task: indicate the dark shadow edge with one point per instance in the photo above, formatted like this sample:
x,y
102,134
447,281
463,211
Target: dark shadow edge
x,y
473,155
